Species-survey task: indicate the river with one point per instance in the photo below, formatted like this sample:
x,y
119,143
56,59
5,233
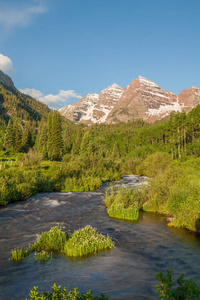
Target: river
x,y
128,271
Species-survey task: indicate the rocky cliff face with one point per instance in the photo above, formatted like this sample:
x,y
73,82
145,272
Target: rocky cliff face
x,y
93,108
189,98
141,99
6,81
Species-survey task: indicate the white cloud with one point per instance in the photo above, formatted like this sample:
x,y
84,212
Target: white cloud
x,y
20,15
32,92
5,63
55,101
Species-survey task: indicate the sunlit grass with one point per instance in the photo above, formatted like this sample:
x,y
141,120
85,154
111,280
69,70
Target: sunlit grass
x,y
20,254
53,240
87,241
42,256
123,203
82,242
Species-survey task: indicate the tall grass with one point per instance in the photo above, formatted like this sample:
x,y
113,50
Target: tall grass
x,y
20,254
83,242
87,241
175,191
42,256
53,240
123,203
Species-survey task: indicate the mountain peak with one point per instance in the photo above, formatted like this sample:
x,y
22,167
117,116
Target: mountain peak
x,y
93,108
6,81
146,81
114,85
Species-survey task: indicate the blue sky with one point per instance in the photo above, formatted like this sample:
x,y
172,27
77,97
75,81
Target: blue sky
x,y
65,49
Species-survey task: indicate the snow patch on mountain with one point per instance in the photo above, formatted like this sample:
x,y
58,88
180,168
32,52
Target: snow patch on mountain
x,y
93,108
147,81
164,110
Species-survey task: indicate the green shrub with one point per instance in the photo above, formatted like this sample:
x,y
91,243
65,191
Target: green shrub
x,y
154,164
87,241
62,294
118,211
84,183
53,240
42,256
176,192
187,289
124,203
83,241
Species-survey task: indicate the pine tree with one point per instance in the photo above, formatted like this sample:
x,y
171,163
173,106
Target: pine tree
x,y
87,145
49,135
27,141
43,140
115,153
37,142
17,136
57,144
9,137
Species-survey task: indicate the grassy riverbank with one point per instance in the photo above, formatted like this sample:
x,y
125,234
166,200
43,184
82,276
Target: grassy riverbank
x,y
174,188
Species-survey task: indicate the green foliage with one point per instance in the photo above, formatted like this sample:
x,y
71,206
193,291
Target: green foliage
x,y
186,289
115,153
9,137
175,191
124,203
19,254
87,145
118,211
84,183
20,106
56,143
27,141
42,256
87,241
53,240
83,242
154,164
58,293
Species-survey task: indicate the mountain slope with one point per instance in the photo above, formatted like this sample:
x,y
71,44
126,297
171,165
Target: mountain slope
x,y
143,99
93,108
189,98
15,104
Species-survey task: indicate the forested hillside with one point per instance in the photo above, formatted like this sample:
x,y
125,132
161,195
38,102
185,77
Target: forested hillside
x,y
17,105
21,115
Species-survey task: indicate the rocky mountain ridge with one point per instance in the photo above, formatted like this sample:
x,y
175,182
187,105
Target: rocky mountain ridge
x,y
93,108
7,82
141,99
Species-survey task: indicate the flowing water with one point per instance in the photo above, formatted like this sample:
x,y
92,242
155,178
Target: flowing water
x,y
143,248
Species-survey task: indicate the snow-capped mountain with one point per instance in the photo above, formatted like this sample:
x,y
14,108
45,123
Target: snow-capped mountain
x,y
141,99
93,108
